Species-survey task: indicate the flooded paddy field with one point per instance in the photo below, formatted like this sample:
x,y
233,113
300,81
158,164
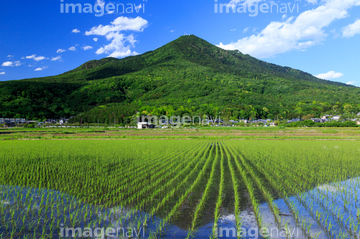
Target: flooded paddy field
x,y
179,189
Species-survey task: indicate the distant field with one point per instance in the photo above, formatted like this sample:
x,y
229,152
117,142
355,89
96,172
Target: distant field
x,y
180,188
189,133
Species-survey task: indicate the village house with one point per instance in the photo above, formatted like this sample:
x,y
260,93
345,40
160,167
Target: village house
x,y
145,125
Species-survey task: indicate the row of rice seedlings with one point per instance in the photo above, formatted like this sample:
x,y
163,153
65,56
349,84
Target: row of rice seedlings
x,y
221,195
326,161
267,195
146,182
250,188
235,182
342,218
176,207
160,177
37,215
277,184
140,189
177,174
130,182
346,197
287,176
329,208
134,181
156,188
73,216
327,198
164,194
289,186
205,195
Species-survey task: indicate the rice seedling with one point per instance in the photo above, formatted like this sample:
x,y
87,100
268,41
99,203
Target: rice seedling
x,y
179,185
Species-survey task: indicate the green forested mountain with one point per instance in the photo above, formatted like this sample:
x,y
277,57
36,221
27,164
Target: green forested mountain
x,y
186,76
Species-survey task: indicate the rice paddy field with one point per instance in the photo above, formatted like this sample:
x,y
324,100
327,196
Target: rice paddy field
x,y
198,188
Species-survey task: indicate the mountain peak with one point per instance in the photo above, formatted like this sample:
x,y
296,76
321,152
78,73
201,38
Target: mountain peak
x,y
188,71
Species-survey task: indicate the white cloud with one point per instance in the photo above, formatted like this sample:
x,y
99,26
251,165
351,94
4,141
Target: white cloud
x,y
30,57
7,63
330,75
121,44
85,48
351,82
119,24
60,51
36,58
2,73
172,31
11,63
58,58
300,33
119,47
10,56
75,31
40,58
246,29
95,39
352,29
73,48
232,30
40,68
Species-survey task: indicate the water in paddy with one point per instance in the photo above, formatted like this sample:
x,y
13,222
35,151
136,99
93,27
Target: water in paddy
x,y
31,213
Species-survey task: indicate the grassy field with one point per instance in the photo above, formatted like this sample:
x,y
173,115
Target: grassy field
x,y
181,188
187,133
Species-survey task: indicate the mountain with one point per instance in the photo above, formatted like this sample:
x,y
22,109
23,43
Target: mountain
x,y
185,76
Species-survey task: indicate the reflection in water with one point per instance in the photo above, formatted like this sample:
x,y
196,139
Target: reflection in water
x,y
33,212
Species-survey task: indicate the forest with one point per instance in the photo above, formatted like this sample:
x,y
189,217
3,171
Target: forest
x,y
188,76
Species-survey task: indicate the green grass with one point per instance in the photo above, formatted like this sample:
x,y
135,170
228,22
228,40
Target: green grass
x,y
211,133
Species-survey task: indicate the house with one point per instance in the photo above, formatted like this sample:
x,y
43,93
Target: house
x,y
63,121
145,125
245,121
9,122
336,117
12,120
293,120
50,121
272,124
317,120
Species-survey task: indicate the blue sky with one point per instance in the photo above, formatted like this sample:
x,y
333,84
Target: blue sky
x,y
43,37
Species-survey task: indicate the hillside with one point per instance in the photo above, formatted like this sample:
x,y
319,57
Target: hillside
x,y
186,76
